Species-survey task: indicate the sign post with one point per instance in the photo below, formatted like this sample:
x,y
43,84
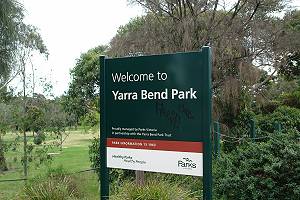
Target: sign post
x,y
156,115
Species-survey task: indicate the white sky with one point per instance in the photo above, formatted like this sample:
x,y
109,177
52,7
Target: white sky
x,y
71,27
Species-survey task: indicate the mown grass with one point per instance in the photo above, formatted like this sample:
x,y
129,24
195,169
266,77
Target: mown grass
x,y
73,158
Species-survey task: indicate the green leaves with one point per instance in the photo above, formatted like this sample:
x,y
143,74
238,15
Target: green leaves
x,y
83,94
266,170
287,116
17,39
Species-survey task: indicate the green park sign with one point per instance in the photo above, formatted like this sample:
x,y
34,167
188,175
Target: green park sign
x,y
156,115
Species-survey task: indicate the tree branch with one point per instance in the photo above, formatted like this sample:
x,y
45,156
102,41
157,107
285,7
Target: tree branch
x,y
159,6
259,85
258,3
9,80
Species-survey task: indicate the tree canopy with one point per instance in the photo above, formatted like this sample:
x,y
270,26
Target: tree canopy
x,y
245,36
16,41
83,93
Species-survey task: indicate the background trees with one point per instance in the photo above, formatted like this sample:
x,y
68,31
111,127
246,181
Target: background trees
x,y
10,18
17,43
5,125
245,36
83,94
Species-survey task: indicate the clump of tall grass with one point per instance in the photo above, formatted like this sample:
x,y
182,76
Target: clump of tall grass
x,y
152,190
55,185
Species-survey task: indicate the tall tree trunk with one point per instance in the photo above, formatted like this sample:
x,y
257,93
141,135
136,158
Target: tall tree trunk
x,y
3,165
25,159
61,140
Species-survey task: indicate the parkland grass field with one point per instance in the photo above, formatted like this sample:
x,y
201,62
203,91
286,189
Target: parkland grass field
x,y
73,158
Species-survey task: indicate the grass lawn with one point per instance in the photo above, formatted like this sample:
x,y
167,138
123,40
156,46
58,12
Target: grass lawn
x,y
73,158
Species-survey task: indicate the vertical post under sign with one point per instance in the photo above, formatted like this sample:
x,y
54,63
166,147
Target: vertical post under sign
x,y
104,174
207,166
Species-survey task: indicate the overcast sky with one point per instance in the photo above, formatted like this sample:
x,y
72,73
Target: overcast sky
x,y
71,27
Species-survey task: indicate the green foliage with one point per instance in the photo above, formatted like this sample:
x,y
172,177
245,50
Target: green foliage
x,y
17,40
94,155
6,117
39,138
270,107
35,119
190,183
266,170
292,99
11,15
290,67
90,120
56,117
5,123
288,117
133,24
154,189
83,93
56,185
240,129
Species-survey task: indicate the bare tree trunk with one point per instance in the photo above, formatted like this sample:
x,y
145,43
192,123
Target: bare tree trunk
x,y
3,165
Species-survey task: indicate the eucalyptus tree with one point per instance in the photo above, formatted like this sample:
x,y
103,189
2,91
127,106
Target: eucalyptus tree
x,y
83,93
11,16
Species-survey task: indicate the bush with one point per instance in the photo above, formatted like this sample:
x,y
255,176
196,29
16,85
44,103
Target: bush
x,y
55,185
39,138
240,129
292,99
267,170
270,107
151,191
287,116
94,155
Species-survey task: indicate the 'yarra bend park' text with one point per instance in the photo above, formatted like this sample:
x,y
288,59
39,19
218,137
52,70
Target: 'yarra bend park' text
x,y
145,94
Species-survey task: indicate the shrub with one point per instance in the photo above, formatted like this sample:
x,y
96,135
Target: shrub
x,y
270,107
39,138
94,155
266,170
152,190
292,99
240,129
287,116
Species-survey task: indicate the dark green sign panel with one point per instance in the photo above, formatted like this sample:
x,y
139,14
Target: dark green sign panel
x,y
157,108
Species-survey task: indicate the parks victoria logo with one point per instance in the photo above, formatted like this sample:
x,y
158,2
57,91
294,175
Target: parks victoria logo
x,y
186,163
